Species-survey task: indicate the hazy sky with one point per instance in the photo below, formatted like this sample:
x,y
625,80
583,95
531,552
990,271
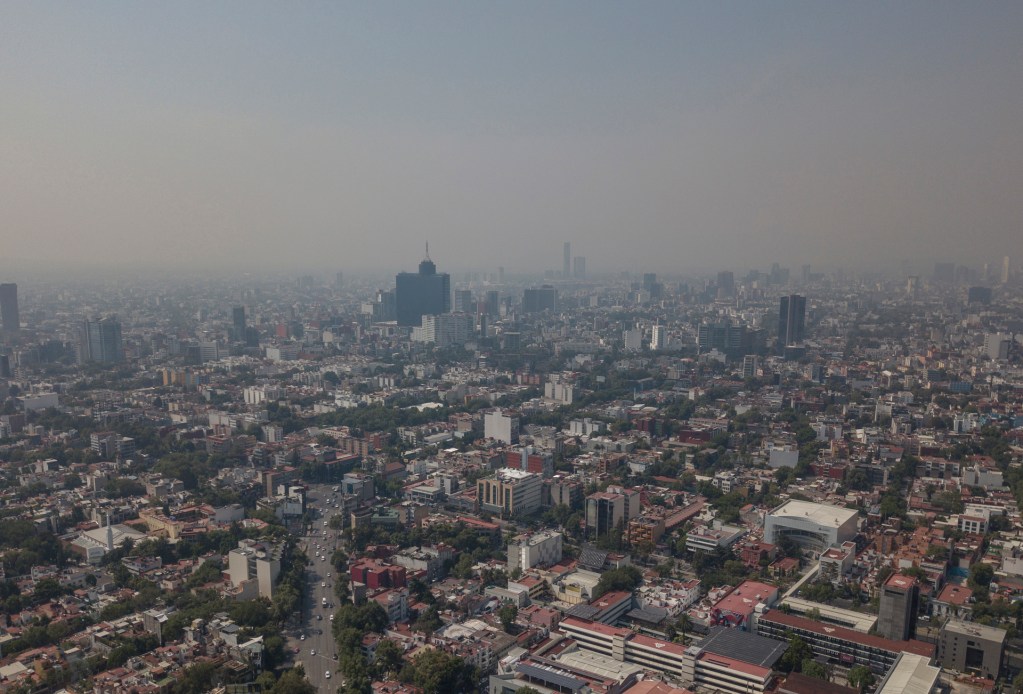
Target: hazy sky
x,y
653,136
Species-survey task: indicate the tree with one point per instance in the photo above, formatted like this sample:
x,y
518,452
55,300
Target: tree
x,y
794,656
981,575
625,578
293,681
811,668
861,677
387,659
507,615
438,672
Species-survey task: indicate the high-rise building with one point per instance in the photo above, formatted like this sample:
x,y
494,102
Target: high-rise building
x,y
898,608
238,323
544,298
463,301
726,283
424,293
658,337
10,321
339,280
579,267
1005,270
444,330
567,260
101,341
791,321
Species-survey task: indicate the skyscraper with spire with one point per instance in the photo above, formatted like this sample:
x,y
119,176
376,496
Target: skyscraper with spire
x,y
421,294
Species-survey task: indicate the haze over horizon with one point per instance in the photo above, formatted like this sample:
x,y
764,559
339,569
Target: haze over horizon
x,y
653,136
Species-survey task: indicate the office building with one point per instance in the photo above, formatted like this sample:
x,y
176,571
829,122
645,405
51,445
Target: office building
x,y
463,301
445,330
658,337
566,260
810,525
971,648
501,426
791,321
238,325
100,341
997,346
255,561
579,267
419,294
492,303
726,284
750,366
651,286
1006,267
979,295
610,510
10,320
510,493
900,602
536,549
544,298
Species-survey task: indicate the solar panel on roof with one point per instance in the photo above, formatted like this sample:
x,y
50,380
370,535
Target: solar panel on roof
x,y
743,645
558,679
592,557
583,611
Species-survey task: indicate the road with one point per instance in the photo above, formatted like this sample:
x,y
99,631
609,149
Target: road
x,y
315,618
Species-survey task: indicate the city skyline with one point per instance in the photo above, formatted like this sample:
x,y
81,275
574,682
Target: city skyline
x,y
679,137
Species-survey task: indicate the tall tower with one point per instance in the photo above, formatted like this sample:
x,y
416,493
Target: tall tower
x,y
427,292
791,321
898,608
10,321
566,266
238,323
101,341
1005,270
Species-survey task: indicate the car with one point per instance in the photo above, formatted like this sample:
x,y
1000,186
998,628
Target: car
x,y
312,651
332,618
328,574
302,637
327,674
323,584
319,617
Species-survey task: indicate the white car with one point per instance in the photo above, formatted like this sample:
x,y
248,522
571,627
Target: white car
x,y
323,585
328,574
332,618
302,637
312,651
327,674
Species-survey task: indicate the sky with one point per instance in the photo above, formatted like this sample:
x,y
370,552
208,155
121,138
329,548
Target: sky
x,y
653,136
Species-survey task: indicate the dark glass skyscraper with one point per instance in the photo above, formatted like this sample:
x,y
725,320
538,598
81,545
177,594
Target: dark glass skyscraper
x,y
101,341
791,321
426,293
10,321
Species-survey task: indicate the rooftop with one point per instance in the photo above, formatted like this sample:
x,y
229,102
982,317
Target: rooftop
x,y
821,514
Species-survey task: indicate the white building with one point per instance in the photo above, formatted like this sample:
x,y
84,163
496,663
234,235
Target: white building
x,y
255,561
810,525
539,549
501,426
659,337
444,330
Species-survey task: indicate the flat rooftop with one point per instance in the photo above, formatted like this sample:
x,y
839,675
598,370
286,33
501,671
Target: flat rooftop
x,y
862,622
821,514
743,645
912,674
